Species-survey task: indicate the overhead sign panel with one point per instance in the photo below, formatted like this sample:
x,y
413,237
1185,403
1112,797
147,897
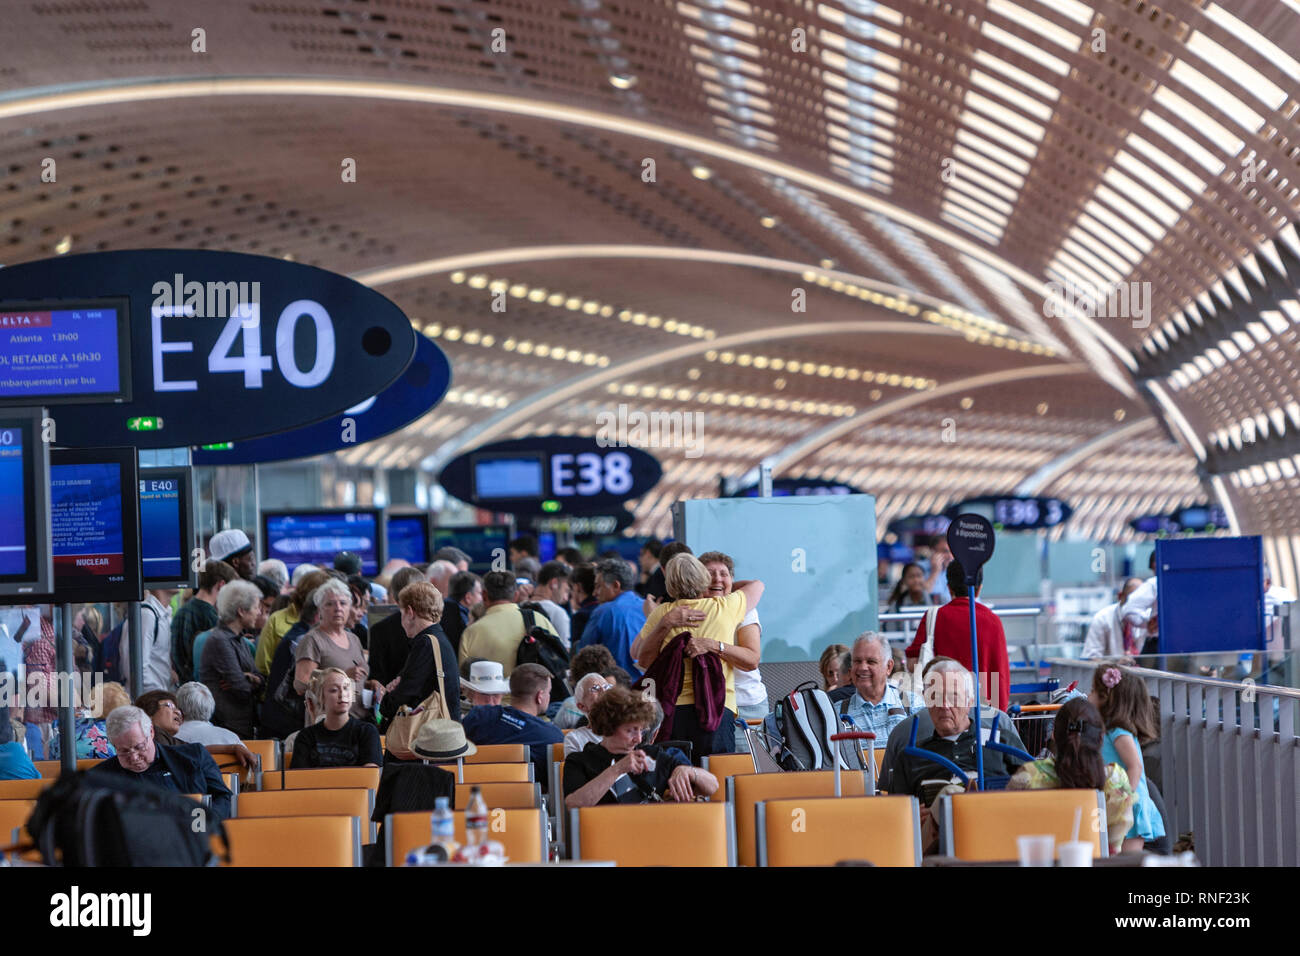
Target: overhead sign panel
x,y
551,476
419,389
1012,513
223,346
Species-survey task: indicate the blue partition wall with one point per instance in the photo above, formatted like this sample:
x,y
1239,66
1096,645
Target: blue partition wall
x,y
816,557
1210,594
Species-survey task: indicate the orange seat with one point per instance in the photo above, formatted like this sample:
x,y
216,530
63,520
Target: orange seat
x,y
509,796
294,841
323,778
354,802
52,768
268,750
745,791
723,766
822,831
14,814
492,772
500,753
984,826
23,789
521,831
658,834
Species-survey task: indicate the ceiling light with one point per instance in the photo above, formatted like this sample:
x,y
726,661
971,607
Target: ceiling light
x,y
967,402
701,172
622,81
63,245
478,281
768,222
536,295
827,263
779,384
457,277
1042,408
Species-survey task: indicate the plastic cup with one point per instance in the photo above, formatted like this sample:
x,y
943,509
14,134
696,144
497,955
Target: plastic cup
x,y
1075,854
367,697
1036,850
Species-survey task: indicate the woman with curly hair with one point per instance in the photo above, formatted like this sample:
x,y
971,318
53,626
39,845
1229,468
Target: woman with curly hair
x,y
619,769
1121,698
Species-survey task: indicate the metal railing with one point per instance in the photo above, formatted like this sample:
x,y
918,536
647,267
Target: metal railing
x,y
1228,759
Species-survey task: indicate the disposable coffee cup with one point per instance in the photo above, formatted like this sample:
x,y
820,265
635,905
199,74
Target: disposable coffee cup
x,y
367,697
1075,854
1036,850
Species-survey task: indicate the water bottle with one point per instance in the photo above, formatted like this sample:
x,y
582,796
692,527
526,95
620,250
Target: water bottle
x,y
476,818
443,822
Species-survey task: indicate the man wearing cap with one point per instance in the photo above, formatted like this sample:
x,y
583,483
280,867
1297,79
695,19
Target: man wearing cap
x,y
236,550
421,607
197,615
520,722
486,684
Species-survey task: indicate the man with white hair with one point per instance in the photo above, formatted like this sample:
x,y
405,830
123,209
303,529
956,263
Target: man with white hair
x,y
184,768
196,704
876,706
439,575
949,698
277,572
585,696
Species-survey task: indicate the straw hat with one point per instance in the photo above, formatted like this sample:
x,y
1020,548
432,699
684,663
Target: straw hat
x,y
442,740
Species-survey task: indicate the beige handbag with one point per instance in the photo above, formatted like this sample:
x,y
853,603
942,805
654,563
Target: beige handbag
x,y
407,721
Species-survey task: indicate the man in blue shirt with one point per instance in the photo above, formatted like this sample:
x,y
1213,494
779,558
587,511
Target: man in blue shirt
x,y
520,722
619,618
875,705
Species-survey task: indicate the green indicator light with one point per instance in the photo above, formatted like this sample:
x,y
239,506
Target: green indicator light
x,y
220,446
144,424
550,506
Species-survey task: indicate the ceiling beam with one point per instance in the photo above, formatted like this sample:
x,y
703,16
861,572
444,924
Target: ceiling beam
x,y
526,408
1053,469
797,451
39,101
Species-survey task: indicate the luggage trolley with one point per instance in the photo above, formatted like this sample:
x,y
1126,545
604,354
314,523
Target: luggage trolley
x,y
1033,720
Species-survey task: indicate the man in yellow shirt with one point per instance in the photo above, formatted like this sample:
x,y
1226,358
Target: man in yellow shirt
x,y
496,636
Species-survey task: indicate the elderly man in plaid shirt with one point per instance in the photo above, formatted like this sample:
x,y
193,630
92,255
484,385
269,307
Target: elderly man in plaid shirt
x,y
874,704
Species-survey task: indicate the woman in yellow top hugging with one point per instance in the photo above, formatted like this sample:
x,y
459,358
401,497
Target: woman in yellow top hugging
x,y
1076,741
693,635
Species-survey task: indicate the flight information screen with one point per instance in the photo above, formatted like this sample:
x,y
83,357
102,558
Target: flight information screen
x,y
509,477
408,538
165,528
315,538
72,353
86,523
13,503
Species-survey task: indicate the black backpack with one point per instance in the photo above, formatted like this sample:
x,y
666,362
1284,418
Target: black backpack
x,y
104,821
805,720
540,646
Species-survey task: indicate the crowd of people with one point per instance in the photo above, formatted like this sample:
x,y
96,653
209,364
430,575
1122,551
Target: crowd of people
x,y
650,665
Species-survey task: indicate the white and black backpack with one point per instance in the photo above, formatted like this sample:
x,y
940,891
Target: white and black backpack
x,y
805,720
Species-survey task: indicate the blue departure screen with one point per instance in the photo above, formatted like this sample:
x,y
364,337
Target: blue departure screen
x,y
408,538
60,352
508,478
13,510
317,538
162,528
86,522
482,543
